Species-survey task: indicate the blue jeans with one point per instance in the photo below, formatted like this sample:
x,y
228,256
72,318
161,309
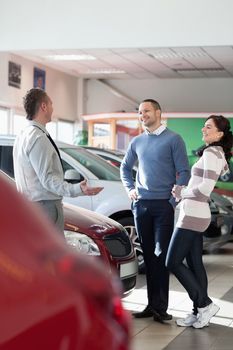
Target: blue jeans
x,y
189,244
154,224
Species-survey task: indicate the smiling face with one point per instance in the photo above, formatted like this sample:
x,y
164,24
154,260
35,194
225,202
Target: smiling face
x,y
210,132
149,116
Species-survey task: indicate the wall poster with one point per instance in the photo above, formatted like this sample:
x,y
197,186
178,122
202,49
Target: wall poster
x,y
14,74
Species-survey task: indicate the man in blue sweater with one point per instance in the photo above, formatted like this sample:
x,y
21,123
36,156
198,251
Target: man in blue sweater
x,y
162,162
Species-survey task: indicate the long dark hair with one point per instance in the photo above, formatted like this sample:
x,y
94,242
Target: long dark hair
x,y
226,142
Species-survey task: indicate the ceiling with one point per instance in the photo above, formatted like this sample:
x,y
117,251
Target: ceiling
x,y
141,63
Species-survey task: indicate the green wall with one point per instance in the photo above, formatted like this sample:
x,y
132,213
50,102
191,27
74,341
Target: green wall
x,y
190,130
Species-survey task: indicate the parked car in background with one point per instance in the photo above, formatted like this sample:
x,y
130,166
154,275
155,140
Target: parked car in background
x,y
217,235
51,296
103,239
113,157
79,164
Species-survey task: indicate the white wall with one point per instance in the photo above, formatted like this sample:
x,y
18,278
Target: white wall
x,y
175,95
61,87
48,24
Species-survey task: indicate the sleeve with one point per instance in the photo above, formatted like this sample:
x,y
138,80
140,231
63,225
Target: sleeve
x,y
126,168
47,166
181,164
210,175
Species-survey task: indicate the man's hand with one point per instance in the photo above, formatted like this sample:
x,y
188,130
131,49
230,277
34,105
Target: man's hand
x,y
133,195
89,191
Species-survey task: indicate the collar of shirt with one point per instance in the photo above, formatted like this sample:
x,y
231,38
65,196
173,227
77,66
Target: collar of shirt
x,y
158,131
40,126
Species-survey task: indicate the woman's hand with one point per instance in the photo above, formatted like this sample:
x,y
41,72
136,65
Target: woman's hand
x,y
176,192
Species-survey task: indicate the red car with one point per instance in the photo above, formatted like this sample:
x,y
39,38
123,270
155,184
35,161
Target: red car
x,y
103,238
51,297
98,236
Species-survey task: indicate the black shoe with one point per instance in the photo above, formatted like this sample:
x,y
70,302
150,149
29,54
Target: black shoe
x,y
162,316
147,312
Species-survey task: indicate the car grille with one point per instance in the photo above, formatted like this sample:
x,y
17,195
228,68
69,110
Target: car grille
x,y
118,244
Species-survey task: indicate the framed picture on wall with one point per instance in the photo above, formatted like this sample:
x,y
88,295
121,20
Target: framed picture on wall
x,y
14,74
39,78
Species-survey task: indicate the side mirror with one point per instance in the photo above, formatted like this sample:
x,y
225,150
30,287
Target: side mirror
x,y
73,176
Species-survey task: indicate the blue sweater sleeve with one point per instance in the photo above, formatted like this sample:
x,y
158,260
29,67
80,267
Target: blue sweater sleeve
x,y
181,164
127,164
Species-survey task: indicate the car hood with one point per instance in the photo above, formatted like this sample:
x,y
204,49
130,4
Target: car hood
x,y
88,222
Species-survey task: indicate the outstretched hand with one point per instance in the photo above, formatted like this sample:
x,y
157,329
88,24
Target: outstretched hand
x,y
89,191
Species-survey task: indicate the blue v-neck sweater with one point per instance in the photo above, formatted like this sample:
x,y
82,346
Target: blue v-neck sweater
x,y
162,162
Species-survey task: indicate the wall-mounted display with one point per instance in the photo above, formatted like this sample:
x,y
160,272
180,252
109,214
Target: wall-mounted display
x,y
14,74
39,78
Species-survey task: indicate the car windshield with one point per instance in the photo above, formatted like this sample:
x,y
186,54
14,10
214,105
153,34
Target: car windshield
x,y
99,167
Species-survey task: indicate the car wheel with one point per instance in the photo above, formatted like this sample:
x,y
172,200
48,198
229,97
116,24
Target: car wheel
x,y
128,224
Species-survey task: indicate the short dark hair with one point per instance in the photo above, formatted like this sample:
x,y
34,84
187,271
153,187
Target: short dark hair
x,y
32,101
155,104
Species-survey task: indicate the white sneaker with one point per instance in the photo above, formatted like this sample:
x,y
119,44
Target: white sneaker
x,y
205,314
188,321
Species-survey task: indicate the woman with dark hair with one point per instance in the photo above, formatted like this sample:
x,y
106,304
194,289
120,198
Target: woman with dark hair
x,y
194,218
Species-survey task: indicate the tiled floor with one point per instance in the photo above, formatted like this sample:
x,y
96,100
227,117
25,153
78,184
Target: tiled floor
x,y
148,335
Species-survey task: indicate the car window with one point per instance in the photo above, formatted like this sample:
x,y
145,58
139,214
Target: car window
x,y
96,165
6,160
111,160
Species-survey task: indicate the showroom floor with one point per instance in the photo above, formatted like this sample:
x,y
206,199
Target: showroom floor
x,y
148,335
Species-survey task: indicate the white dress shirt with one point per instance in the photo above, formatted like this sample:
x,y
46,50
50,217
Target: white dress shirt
x,y
38,171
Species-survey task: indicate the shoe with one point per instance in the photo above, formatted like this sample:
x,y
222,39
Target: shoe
x,y
161,316
188,321
205,314
147,312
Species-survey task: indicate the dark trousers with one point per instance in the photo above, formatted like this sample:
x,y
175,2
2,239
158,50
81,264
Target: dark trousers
x,y
154,224
189,244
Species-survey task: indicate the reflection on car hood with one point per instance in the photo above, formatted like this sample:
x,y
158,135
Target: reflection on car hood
x,y
89,222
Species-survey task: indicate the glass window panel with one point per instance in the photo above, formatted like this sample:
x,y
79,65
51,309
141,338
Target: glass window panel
x,y
52,129
4,121
19,123
65,131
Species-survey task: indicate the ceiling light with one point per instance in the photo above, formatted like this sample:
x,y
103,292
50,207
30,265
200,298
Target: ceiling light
x,y
106,71
160,55
71,57
220,69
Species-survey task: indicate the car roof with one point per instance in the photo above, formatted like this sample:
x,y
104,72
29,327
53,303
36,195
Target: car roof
x,y
9,139
106,150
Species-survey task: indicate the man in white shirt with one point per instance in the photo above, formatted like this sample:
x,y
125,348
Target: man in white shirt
x,y
37,162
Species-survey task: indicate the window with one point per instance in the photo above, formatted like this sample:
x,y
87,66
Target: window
x,y
19,123
65,131
52,129
99,167
4,116
6,160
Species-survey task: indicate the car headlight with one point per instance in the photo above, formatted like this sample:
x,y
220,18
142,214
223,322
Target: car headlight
x,y
81,242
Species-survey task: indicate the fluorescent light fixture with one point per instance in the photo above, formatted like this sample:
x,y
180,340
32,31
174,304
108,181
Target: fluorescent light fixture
x,y
106,71
71,57
220,69
160,55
